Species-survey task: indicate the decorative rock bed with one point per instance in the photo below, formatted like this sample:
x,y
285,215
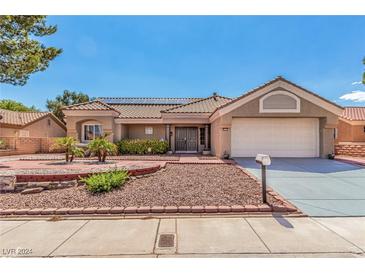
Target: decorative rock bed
x,y
177,189
29,181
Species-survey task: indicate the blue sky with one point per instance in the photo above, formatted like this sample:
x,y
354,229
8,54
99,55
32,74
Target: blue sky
x,y
190,56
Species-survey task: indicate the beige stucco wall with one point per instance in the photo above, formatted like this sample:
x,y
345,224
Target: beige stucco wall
x,y
40,128
221,139
350,133
74,125
138,131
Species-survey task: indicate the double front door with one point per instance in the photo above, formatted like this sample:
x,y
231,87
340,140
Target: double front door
x,y
186,139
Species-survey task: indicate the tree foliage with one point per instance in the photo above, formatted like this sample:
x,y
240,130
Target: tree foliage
x,y
66,99
15,106
21,54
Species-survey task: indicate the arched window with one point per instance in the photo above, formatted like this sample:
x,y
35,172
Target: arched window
x,y
91,130
280,101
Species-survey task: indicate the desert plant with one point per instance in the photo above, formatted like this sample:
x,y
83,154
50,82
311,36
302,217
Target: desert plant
x,y
142,146
68,144
105,182
102,147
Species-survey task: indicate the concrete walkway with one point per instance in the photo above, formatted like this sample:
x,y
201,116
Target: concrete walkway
x,y
185,237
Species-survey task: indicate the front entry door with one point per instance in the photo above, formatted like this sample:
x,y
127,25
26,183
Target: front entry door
x,y
186,139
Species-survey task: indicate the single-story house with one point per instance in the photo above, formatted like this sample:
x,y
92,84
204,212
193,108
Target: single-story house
x,y
30,124
278,118
351,125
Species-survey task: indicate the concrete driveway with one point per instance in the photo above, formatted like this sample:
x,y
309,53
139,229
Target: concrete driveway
x,y
319,187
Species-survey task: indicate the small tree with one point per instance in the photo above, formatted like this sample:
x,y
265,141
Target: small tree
x,y
16,106
102,147
66,99
69,145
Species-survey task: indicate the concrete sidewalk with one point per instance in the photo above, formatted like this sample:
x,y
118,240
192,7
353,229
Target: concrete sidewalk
x,y
185,237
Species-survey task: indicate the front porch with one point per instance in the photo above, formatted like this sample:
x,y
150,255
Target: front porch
x,y
181,138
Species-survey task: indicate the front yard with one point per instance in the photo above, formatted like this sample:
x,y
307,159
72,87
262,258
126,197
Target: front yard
x,y
176,185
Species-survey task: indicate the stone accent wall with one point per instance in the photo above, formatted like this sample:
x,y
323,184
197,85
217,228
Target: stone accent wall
x,y
350,149
27,145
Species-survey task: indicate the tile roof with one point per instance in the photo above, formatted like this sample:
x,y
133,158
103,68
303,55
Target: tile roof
x,y
141,111
93,105
354,113
20,118
146,101
206,105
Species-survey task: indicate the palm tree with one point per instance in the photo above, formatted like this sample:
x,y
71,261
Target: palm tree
x,y
102,147
69,145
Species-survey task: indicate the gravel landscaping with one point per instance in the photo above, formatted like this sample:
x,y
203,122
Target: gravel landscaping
x,y
176,185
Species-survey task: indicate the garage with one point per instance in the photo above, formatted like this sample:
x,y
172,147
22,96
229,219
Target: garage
x,y
277,137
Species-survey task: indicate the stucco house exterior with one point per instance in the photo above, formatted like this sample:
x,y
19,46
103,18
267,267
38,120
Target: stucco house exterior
x,y
30,124
351,125
29,132
278,118
351,132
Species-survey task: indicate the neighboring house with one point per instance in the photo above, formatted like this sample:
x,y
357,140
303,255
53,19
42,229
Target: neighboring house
x,y
278,118
351,125
351,132
30,124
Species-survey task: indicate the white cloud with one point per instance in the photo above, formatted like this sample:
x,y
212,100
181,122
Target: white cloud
x,y
356,83
355,96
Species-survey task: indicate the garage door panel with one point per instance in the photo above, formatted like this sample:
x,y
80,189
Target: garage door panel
x,y
278,137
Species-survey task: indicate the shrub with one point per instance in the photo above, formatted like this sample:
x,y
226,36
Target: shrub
x,y
105,182
142,146
2,144
68,144
102,147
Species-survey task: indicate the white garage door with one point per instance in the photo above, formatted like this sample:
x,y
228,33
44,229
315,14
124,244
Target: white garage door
x,y
277,137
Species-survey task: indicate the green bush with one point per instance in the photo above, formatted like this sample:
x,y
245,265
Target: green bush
x,y
142,146
105,182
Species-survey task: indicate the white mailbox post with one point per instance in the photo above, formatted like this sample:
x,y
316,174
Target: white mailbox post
x,y
264,161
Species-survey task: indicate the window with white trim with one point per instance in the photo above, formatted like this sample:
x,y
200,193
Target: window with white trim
x,y
148,130
91,131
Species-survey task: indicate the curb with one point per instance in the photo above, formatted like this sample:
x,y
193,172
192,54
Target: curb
x,y
142,210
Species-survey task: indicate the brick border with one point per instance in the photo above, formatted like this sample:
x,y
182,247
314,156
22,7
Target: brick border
x,y
75,176
142,210
283,206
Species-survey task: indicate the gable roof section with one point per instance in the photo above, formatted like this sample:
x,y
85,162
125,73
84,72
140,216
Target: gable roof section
x,y
271,82
205,105
22,119
354,113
